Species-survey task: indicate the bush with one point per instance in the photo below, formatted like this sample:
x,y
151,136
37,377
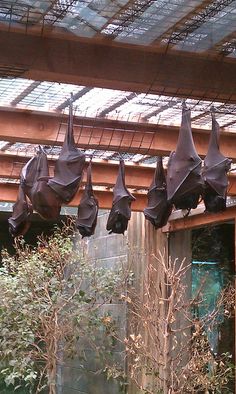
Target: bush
x,y
51,296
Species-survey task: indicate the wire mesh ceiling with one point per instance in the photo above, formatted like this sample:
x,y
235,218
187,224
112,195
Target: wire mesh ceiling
x,y
111,104
207,27
98,103
194,25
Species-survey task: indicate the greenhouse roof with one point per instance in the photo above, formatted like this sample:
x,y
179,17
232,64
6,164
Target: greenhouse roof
x,y
128,64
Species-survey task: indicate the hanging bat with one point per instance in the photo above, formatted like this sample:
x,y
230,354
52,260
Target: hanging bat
x,y
19,222
121,206
88,209
214,173
34,179
69,166
158,209
184,182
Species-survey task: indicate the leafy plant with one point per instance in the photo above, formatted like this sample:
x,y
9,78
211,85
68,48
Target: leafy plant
x,y
51,296
168,347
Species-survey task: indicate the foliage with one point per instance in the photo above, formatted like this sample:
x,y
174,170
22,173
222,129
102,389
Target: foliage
x,y
51,296
168,346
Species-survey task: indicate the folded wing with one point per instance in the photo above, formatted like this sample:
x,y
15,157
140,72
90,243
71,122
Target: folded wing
x,y
19,222
121,206
88,209
34,182
184,183
214,173
158,209
69,166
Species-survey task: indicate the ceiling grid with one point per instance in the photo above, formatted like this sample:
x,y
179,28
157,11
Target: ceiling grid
x,y
204,28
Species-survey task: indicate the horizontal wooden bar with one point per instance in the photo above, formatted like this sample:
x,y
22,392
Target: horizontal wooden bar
x,y
201,219
104,172
8,193
118,66
49,129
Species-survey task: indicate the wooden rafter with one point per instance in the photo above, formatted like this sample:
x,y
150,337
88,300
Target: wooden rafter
x,y
137,176
119,66
104,134
201,219
104,173
8,193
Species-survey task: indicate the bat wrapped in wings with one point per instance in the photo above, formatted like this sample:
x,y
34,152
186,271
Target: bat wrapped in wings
x,y
69,166
88,209
184,182
121,206
19,222
158,209
214,173
34,179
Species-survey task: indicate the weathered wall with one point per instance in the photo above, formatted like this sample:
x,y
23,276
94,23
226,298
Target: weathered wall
x,y
149,249
141,248
108,250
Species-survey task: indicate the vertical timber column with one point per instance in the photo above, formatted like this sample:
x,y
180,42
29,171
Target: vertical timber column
x,y
180,245
235,287
147,248
180,248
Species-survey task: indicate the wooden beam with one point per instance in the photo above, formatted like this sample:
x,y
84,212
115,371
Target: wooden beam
x,y
200,220
104,172
8,193
118,66
104,134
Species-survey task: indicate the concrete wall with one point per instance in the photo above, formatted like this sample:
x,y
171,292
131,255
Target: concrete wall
x,y
140,248
108,250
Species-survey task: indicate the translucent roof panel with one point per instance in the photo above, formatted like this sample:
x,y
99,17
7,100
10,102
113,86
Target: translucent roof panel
x,y
108,103
191,25
24,11
48,95
11,88
160,16
28,150
82,18
212,31
98,100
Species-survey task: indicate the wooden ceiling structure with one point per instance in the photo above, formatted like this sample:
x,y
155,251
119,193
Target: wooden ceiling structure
x,y
129,64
